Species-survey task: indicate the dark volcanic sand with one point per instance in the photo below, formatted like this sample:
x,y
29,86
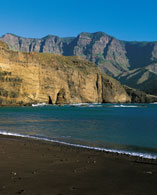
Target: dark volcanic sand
x,y
42,168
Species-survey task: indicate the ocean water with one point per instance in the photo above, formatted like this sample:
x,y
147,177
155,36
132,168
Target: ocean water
x,y
122,128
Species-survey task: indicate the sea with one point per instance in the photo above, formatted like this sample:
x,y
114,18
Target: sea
x,y
119,128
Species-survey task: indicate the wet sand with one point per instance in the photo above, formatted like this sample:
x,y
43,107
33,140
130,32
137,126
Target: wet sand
x,y
35,167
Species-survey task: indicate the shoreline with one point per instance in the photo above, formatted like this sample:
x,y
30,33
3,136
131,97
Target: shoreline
x,y
138,155
36,104
31,166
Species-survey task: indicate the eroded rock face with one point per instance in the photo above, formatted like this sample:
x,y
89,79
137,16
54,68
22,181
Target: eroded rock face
x,y
111,55
61,97
138,96
40,77
48,44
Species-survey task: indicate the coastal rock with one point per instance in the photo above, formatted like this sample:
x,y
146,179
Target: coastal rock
x,y
41,77
114,57
138,96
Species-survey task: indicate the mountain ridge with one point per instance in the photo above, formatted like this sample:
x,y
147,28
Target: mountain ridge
x,y
114,57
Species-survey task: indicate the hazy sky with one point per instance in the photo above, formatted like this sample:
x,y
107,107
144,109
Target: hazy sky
x,y
123,19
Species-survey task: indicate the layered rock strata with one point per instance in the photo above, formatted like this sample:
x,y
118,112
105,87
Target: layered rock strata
x,y
50,78
116,58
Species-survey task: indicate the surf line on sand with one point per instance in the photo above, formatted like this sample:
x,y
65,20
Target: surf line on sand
x,y
134,154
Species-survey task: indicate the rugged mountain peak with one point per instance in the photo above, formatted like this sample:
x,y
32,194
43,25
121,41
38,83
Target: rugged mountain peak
x,y
111,55
107,52
95,35
49,37
9,35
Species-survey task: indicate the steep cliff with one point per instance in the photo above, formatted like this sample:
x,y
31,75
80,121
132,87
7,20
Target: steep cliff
x,y
105,51
116,58
110,54
50,78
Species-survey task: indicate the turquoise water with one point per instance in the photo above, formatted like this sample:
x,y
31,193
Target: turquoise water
x,y
126,128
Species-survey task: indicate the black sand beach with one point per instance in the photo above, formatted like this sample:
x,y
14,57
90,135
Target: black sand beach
x,y
41,168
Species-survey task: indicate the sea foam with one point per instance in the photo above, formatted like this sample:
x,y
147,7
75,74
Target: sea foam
x,y
39,104
135,154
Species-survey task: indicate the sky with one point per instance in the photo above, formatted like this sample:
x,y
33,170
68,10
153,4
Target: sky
x,y
124,19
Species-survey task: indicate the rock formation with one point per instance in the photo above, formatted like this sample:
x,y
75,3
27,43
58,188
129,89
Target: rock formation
x,y
41,77
144,78
138,96
116,58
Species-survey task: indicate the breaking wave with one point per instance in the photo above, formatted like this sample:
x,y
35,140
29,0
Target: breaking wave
x,y
135,154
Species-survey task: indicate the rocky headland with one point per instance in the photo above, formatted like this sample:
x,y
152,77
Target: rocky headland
x,y
27,78
132,63
41,77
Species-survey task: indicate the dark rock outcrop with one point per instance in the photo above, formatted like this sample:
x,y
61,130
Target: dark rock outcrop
x,y
138,96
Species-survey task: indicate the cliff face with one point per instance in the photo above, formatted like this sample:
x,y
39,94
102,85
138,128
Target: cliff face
x,y
105,51
48,44
116,58
39,77
112,55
